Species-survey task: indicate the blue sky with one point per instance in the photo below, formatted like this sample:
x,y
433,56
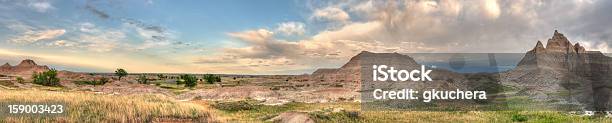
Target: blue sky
x,y
279,36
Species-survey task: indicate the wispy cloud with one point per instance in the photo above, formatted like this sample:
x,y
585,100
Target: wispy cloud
x,y
330,14
40,6
29,37
98,13
291,28
152,35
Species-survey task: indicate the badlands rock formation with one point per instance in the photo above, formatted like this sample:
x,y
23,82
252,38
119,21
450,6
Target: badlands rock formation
x,y
559,62
23,69
351,71
563,67
361,64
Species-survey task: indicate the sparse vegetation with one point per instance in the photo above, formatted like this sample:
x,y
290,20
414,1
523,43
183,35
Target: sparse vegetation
x,y
351,112
7,84
121,73
211,78
142,79
161,76
179,82
100,81
190,80
519,118
103,80
47,78
236,105
20,80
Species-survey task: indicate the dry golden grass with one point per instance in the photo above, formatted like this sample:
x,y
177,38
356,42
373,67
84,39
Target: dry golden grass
x,y
87,107
261,113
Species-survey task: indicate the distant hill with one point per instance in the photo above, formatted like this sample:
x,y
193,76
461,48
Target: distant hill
x,y
24,69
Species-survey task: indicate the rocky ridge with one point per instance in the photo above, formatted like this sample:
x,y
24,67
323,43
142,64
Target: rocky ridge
x,y
562,67
24,69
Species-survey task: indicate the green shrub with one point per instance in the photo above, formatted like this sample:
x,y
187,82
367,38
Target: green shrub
x,y
20,80
211,79
236,105
100,81
190,80
330,116
519,118
47,78
142,79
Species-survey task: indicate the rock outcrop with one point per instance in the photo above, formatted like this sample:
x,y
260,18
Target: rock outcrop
x,y
351,71
547,66
562,67
24,69
361,64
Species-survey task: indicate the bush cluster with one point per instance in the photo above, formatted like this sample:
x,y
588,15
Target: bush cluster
x,y
142,79
47,78
236,105
100,81
210,78
189,80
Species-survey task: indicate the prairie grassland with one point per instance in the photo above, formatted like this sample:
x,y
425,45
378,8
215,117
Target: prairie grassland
x,y
323,113
88,107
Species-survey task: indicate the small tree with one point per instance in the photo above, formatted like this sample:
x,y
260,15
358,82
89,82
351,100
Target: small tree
x,y
142,79
190,80
47,78
121,73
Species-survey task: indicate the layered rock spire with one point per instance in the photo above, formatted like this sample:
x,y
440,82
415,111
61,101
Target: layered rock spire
x,y
558,43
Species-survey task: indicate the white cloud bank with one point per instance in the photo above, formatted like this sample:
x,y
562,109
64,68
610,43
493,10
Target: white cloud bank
x,y
423,26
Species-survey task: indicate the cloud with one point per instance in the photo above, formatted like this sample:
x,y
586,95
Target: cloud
x,y
413,26
87,27
63,43
97,12
602,47
216,60
253,36
40,6
266,53
91,38
262,44
330,14
35,36
291,28
492,8
101,42
151,35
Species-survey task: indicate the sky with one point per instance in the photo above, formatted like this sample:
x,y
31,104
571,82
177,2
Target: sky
x,y
280,36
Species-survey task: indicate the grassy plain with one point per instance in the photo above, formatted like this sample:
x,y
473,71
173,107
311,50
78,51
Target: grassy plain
x,y
89,107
